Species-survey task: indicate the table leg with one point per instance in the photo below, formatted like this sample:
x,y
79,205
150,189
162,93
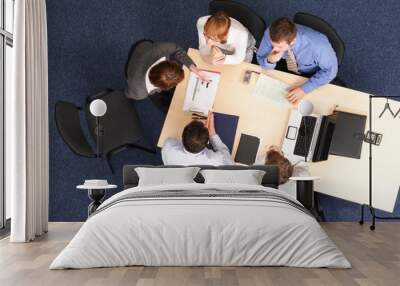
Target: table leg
x,y
305,195
320,212
95,196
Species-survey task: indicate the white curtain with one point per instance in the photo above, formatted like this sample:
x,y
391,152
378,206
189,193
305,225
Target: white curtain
x,y
27,124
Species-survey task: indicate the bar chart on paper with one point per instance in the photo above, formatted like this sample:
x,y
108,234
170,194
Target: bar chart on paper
x,y
200,94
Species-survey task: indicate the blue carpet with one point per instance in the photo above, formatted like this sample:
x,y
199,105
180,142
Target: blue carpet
x,y
88,47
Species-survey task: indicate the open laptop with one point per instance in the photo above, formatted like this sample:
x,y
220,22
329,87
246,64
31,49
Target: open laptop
x,y
317,136
301,136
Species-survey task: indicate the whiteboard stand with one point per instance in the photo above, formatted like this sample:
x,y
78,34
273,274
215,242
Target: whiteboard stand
x,y
370,204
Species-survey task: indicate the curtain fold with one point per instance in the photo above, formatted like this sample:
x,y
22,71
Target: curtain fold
x,y
27,118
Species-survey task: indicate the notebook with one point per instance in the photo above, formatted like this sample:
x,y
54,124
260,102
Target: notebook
x,y
348,135
247,149
225,126
200,95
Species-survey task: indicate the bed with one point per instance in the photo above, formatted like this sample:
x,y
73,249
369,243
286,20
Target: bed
x,y
201,223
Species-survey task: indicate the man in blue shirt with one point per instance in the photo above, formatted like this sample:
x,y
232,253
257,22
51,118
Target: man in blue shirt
x,y
306,52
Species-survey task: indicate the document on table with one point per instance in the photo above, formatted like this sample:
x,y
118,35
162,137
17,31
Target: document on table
x,y
200,95
268,88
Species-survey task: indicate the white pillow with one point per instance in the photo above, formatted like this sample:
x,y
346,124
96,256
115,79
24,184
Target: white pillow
x,y
166,176
247,177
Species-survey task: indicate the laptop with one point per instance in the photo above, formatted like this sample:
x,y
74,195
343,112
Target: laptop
x,y
317,136
301,136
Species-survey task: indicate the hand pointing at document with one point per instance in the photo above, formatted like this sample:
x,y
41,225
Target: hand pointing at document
x,y
202,75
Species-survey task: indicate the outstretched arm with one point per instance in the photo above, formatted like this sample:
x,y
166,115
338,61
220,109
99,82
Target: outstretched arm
x,y
216,142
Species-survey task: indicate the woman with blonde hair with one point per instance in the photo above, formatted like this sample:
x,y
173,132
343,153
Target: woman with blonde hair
x,y
224,40
287,167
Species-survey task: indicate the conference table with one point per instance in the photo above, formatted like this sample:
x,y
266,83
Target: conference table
x,y
342,177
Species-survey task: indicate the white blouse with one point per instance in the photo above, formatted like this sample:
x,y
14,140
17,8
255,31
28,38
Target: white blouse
x,y
300,169
239,39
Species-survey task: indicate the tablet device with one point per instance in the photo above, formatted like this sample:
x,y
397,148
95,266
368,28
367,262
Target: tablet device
x,y
247,150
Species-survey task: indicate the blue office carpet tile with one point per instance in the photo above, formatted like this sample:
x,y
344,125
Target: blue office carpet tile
x,y
88,43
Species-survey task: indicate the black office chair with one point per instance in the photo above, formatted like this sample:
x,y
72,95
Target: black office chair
x,y
121,124
325,28
69,127
240,12
131,50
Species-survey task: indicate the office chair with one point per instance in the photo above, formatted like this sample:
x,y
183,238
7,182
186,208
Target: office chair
x,y
120,124
325,28
240,12
131,50
69,127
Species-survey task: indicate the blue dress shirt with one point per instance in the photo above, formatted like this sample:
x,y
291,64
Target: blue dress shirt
x,y
314,55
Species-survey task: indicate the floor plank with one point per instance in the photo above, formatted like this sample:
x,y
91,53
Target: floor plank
x,y
375,257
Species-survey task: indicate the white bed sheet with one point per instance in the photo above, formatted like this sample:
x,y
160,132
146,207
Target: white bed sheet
x,y
206,231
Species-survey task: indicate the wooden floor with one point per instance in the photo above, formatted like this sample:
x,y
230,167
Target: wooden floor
x,y
375,257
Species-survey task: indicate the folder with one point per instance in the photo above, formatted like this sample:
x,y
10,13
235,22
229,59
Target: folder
x,y
348,135
225,126
247,150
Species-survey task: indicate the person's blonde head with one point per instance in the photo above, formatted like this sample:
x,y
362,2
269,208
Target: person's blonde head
x,y
217,27
275,157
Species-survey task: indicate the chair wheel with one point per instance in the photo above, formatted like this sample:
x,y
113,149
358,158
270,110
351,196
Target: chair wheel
x,y
361,222
372,227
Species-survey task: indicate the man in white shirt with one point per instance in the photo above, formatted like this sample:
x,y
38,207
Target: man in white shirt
x,y
192,150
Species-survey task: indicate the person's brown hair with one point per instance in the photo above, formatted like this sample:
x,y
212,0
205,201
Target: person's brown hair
x,y
285,167
217,26
166,75
282,29
195,137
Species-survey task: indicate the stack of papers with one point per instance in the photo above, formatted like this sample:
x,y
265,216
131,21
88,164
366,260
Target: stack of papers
x,y
200,95
273,90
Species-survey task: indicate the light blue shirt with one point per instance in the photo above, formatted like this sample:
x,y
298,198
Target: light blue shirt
x,y
314,55
173,153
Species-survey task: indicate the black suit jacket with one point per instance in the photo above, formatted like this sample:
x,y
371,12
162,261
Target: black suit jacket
x,y
143,56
